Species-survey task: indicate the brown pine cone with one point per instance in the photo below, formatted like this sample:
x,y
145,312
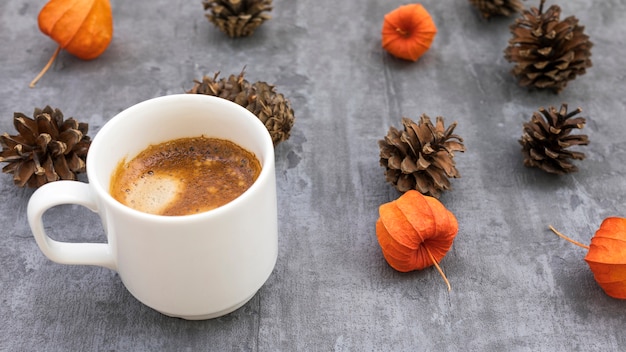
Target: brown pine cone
x,y
547,136
237,18
46,148
421,156
491,8
548,52
260,98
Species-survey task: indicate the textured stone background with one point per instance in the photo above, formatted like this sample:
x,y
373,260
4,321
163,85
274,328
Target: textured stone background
x,y
515,285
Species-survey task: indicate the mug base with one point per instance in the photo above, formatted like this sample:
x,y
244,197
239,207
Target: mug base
x,y
211,315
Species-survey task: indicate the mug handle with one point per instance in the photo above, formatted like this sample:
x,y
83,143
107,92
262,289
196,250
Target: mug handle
x,y
66,192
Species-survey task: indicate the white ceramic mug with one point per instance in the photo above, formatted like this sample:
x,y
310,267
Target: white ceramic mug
x,y
196,266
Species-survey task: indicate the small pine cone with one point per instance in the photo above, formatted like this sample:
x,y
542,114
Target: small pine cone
x,y
234,88
238,18
491,8
547,136
46,148
548,52
421,156
273,109
260,98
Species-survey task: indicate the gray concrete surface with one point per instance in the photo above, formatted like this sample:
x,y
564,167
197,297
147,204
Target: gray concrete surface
x,y
515,285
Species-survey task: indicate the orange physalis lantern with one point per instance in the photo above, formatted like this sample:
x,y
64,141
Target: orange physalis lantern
x,y
408,32
415,231
82,27
607,256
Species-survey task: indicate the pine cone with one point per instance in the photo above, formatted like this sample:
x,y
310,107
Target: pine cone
x,y
45,149
238,18
547,136
548,52
421,156
490,8
260,98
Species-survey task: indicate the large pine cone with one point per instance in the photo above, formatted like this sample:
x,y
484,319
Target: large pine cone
x,y
491,8
421,156
548,52
547,136
238,18
46,149
260,98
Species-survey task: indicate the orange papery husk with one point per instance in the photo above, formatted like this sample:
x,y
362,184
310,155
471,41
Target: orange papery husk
x,y
82,27
607,257
415,231
408,32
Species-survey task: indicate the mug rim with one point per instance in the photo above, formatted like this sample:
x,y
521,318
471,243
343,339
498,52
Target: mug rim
x,y
267,163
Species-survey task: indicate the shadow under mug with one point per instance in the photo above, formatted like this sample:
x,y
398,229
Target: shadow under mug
x,y
194,267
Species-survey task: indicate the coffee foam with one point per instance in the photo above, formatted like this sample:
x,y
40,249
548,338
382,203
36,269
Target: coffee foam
x,y
153,193
184,176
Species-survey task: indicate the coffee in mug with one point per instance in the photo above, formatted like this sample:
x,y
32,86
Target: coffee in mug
x,y
197,266
185,176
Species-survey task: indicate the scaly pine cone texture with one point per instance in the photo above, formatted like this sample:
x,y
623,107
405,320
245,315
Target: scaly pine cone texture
x,y
548,52
492,8
421,156
547,136
237,18
46,148
260,98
